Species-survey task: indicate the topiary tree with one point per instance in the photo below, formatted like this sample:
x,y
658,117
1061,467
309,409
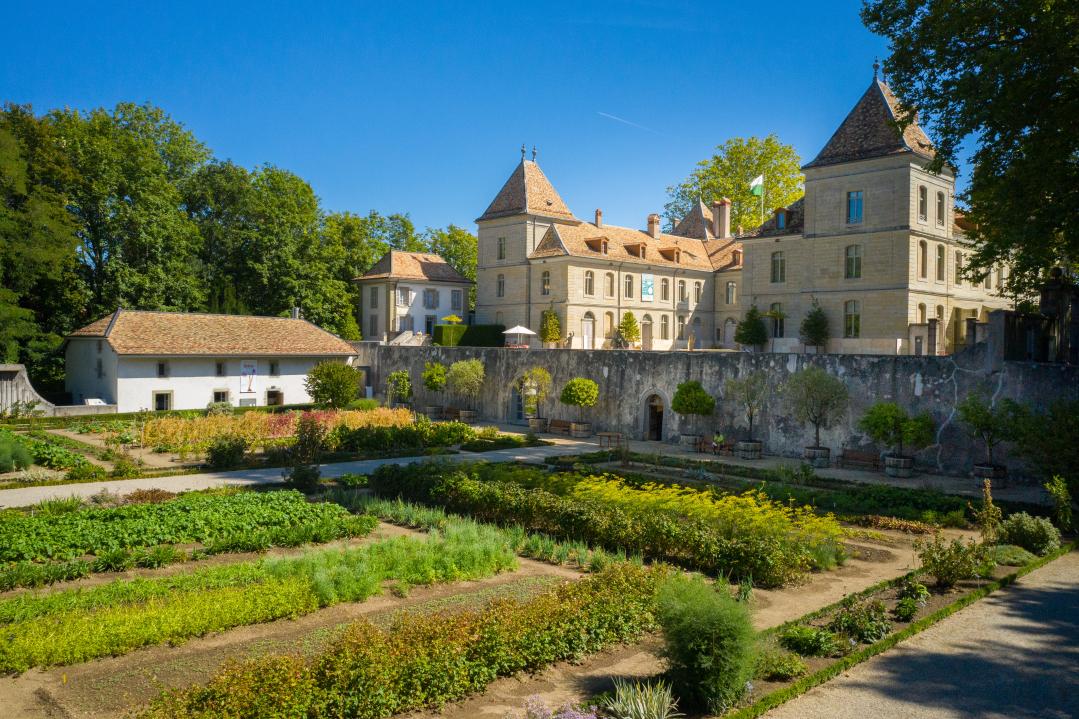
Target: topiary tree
x,y
889,424
533,386
749,392
816,397
581,393
452,320
434,376
629,329
751,331
398,387
332,384
990,424
550,327
690,399
814,329
465,379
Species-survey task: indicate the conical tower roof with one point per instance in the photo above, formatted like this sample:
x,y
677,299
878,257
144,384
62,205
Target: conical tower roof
x,y
697,223
869,130
527,191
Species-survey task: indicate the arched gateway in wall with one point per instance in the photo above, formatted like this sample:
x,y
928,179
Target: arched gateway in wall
x,y
653,413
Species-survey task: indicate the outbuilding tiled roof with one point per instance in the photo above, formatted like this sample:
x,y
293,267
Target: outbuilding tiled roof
x,y
585,240
132,332
527,191
697,224
869,130
400,265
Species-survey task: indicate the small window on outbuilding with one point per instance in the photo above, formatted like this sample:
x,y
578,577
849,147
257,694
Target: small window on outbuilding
x,y
162,369
219,368
275,368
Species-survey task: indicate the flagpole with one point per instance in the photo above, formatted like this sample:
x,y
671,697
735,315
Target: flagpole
x,y
762,199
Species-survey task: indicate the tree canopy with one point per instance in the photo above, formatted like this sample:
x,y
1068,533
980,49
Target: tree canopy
x,y
998,79
729,173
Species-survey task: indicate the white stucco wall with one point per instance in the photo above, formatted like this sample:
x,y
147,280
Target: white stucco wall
x,y
193,381
416,308
82,378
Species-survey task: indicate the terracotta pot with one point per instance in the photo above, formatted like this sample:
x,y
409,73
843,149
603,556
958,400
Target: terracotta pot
x,y
819,457
747,449
899,466
580,429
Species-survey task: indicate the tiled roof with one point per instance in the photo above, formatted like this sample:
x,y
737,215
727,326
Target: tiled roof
x,y
400,265
869,130
697,224
724,254
794,225
580,240
131,332
527,191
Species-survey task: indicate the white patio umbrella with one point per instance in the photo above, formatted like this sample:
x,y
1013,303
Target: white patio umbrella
x,y
519,331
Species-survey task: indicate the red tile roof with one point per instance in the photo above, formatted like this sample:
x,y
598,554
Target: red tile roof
x,y
400,265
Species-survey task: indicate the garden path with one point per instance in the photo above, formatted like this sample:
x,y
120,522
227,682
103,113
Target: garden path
x,y
1012,654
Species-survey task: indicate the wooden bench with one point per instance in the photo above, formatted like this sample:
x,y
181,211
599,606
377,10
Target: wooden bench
x,y
853,457
559,426
610,439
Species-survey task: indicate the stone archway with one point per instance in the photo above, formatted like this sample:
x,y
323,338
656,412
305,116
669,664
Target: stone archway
x,y
654,414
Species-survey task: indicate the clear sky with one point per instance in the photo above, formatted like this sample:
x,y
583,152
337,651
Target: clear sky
x,y
422,107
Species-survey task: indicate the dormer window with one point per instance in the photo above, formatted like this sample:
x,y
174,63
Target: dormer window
x,y
597,245
603,246
781,219
671,254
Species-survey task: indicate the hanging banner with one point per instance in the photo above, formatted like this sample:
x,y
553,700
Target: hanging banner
x,y
648,288
248,373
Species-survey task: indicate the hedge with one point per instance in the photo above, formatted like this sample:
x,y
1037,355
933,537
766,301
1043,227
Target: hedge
x,y
469,335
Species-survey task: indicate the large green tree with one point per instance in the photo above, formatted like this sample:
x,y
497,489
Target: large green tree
x,y
997,77
729,173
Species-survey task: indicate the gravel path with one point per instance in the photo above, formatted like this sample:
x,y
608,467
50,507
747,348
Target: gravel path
x,y
1012,654
24,496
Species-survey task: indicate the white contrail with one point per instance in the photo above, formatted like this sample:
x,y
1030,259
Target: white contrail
x,y
627,122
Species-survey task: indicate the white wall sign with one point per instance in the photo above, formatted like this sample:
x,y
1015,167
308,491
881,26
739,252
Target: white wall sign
x,y
248,374
648,287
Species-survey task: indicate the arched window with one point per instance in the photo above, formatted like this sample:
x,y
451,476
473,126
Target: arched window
x,y
923,259
942,208
500,288
923,203
682,290
664,327
853,268
681,327
665,290
940,262
545,283
609,284
732,292
608,324
629,287
958,268
697,292
589,283
588,331
852,319
779,267
921,314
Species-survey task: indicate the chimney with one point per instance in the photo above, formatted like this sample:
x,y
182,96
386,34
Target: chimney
x,y
653,225
721,218
599,217
295,313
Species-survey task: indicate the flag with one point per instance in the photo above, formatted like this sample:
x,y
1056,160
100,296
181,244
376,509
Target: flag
x,y
757,186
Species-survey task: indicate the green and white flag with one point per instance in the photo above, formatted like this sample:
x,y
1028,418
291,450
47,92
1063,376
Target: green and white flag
x,y
757,186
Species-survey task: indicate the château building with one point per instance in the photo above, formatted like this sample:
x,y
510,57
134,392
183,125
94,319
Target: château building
x,y
876,241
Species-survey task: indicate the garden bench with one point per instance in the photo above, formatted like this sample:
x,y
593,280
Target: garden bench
x,y
847,457
610,439
559,426
451,414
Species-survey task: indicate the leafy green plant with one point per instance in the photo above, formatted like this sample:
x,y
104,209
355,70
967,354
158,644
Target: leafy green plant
x,y
1034,534
809,641
749,392
13,454
398,387
691,399
303,472
814,328
988,515
951,562
629,330
905,609
865,621
434,376
550,327
581,393
1011,556
1049,441
914,590
988,423
709,643
113,560
816,397
333,384
534,385
751,330
889,424
637,700
226,452
125,467
776,665
1057,489
465,379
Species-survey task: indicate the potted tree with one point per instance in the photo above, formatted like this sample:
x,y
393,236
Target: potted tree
x,y
816,397
691,400
465,380
434,381
749,392
889,424
751,331
550,327
580,392
533,386
992,425
814,329
629,330
398,388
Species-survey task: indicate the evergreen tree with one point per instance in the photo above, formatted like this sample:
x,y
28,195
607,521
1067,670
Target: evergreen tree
x,y
629,329
550,328
814,329
751,331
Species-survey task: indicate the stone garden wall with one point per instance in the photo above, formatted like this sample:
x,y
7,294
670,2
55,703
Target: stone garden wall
x,y
629,378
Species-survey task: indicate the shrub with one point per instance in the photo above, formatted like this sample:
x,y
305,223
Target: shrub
x,y
816,397
1034,534
1011,556
950,562
809,641
775,665
214,409
579,392
905,609
751,331
709,643
450,335
814,328
226,452
13,455
86,473
913,590
865,622
691,399
398,387
465,380
533,386
363,404
113,560
988,515
889,424
628,329
749,392
434,376
550,327
124,467
990,424
650,700
333,384
1049,441
1057,489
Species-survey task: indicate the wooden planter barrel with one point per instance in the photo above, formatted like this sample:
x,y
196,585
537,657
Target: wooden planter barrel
x,y
749,449
580,429
899,466
819,457
434,411
468,416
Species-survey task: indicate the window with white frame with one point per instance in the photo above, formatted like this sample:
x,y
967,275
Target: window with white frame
x,y
629,287
854,207
942,208
958,268
430,299
732,292
779,267
608,284
777,319
374,297
664,327
940,263
852,319
665,290
220,396
853,268
923,203
457,298
697,288
682,291
589,283
923,259
404,296
681,327
545,283
500,286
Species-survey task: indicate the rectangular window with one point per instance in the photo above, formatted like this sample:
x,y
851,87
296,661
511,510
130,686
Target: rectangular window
x,y
404,296
776,311
852,319
942,208
456,299
429,324
779,267
100,369
853,268
219,368
732,292
854,207
374,298
275,368
162,369
221,395
501,248
162,401
923,203
681,328
404,323
958,268
430,299
629,287
372,327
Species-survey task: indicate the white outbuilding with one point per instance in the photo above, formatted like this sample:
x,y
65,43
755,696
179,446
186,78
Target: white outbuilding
x,y
141,360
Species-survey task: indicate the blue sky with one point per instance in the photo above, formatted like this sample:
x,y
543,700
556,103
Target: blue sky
x,y
422,107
